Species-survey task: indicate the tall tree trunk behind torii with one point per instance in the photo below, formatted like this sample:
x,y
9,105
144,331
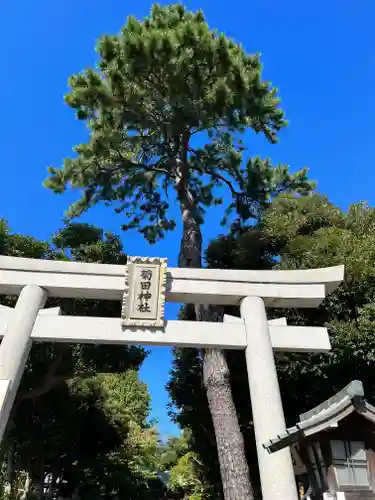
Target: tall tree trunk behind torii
x,y
230,444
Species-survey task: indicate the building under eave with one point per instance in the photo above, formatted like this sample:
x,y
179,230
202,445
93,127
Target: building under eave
x,y
333,447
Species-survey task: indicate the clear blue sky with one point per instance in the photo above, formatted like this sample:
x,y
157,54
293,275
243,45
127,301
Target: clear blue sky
x,y
319,54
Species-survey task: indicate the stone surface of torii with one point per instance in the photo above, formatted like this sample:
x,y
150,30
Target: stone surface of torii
x,y
49,327
35,280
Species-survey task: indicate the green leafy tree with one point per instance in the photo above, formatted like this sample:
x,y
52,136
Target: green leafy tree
x,y
184,468
184,478
77,242
80,413
166,111
295,233
173,449
129,468
311,233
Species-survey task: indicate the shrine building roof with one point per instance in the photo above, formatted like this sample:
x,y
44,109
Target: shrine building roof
x,y
325,416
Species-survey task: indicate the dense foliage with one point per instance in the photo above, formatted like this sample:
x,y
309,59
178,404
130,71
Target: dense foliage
x,y
315,233
79,421
295,233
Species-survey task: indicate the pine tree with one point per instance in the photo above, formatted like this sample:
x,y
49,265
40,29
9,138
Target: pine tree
x,y
164,86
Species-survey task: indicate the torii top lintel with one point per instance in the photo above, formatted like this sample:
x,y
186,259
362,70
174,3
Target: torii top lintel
x,y
290,288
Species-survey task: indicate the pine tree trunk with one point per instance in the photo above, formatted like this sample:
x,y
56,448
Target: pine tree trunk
x,y
230,444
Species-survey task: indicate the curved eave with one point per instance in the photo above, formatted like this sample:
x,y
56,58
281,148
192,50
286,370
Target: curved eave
x,y
322,421
325,416
368,411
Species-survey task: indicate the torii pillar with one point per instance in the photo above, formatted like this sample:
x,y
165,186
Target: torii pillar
x,y
276,471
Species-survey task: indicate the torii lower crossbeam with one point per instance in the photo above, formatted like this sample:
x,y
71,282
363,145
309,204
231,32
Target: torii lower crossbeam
x,y
91,330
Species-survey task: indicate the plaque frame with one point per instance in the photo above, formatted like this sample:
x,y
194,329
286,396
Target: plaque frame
x,y
128,299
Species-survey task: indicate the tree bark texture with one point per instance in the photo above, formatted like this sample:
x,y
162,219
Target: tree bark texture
x,y
230,444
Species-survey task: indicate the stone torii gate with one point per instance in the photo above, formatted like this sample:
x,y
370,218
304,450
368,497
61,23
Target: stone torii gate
x,y
144,285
